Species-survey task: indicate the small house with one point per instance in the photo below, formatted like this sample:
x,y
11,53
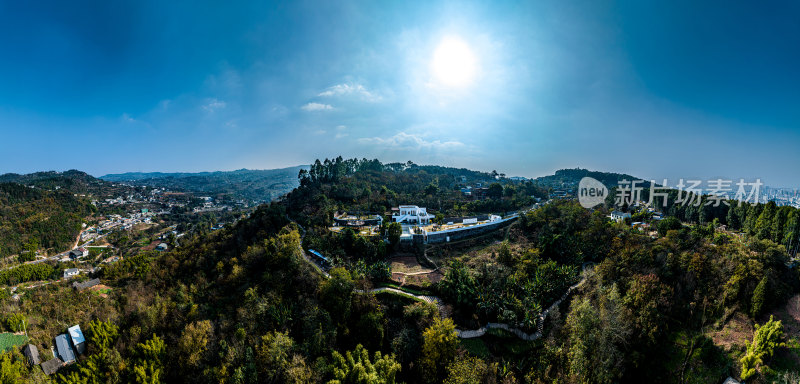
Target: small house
x,y
619,216
323,261
76,335
51,366
78,253
31,354
162,247
86,284
70,272
63,348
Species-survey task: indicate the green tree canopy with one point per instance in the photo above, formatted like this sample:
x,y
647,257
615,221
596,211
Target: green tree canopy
x,y
439,347
102,334
767,337
355,367
336,294
393,232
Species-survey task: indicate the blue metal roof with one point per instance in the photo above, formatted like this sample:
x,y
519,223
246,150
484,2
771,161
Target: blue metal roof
x,y
76,334
64,349
318,254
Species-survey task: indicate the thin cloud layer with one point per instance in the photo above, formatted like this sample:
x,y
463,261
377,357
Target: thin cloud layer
x,y
212,105
351,89
316,107
411,142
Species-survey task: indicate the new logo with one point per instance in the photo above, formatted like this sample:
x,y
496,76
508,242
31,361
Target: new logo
x,y
591,192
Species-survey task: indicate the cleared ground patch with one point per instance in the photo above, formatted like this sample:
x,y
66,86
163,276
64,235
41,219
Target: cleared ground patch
x,y
407,264
734,334
101,290
407,270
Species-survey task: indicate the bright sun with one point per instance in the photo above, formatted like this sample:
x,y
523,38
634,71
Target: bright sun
x,y
453,63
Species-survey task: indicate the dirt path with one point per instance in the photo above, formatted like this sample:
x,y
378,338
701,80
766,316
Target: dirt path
x,y
77,240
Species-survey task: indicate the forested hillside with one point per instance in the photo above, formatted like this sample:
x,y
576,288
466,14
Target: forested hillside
x,y
569,178
244,304
370,186
39,219
72,180
252,185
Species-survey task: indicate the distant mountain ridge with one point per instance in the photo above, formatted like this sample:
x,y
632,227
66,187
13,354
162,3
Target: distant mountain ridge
x,y
254,185
569,178
74,180
130,176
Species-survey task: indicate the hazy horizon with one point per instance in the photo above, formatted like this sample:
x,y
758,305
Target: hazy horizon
x,y
639,177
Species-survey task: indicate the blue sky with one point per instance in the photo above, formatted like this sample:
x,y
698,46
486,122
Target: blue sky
x,y
670,90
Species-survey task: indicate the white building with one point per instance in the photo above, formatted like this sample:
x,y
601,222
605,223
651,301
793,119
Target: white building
x,y
412,214
619,216
71,272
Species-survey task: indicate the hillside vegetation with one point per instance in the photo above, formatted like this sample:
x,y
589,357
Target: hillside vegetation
x,y
247,184
243,304
39,218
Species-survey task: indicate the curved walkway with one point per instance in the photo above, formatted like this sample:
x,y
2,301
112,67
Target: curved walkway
x,y
463,334
428,299
469,334
416,273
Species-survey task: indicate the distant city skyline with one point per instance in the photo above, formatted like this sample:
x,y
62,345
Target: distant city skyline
x,y
673,90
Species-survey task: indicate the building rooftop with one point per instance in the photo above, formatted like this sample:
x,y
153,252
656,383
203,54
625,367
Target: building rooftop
x,y
318,254
51,366
63,348
85,284
76,334
31,353
77,338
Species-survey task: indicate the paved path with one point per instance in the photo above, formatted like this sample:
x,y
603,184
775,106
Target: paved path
x,y
429,299
416,273
466,333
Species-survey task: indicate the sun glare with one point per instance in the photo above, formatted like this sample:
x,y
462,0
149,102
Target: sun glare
x,y
453,63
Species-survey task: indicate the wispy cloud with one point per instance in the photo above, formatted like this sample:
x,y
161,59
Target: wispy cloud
x,y
407,141
316,107
340,131
127,119
351,89
212,105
